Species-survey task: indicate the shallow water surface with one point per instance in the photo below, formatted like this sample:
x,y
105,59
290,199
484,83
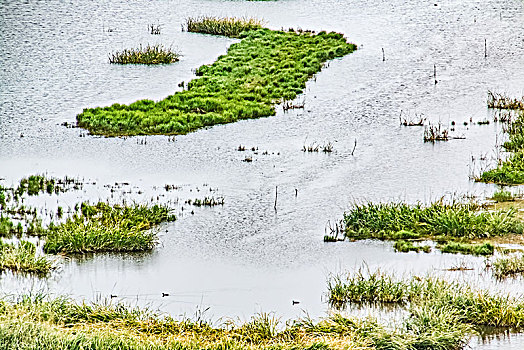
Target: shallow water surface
x,y
245,256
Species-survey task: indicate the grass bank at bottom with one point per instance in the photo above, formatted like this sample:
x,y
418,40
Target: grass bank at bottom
x,y
32,323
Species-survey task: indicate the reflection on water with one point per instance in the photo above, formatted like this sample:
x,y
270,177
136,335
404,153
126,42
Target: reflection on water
x,y
245,256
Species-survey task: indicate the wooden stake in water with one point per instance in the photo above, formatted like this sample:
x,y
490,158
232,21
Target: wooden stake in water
x,y
276,197
435,73
485,48
383,55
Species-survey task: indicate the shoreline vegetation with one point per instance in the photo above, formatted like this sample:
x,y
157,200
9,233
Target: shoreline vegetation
x,y
31,322
265,68
511,170
457,302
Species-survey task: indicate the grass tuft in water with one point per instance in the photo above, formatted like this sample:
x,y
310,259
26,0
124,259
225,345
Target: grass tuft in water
x,y
467,248
150,54
503,101
226,26
508,266
408,246
22,257
103,227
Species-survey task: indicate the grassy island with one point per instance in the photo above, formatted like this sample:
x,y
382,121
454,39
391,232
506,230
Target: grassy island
x,y
266,67
103,227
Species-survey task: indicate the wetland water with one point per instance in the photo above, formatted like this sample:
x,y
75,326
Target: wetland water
x,y
245,257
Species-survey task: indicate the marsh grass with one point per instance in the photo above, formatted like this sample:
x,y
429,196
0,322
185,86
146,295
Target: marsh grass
x,y
503,101
265,68
454,220
103,227
150,54
433,133
465,305
503,196
226,26
40,322
206,201
408,246
508,266
22,257
467,248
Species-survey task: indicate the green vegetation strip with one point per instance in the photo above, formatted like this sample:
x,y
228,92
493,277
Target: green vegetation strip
x,y
456,220
263,69
462,304
511,170
43,323
103,227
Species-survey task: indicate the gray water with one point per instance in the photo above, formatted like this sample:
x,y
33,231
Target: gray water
x,y
245,257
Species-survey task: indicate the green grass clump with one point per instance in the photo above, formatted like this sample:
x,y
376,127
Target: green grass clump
x,y
263,69
7,228
35,184
44,323
103,227
22,257
467,248
226,26
408,246
503,196
508,266
150,54
467,305
465,220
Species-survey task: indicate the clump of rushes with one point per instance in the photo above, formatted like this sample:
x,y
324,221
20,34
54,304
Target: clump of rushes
x,y
503,196
469,306
408,246
467,248
103,227
508,266
22,257
206,201
503,101
511,170
454,220
226,26
150,54
7,228
40,322
265,68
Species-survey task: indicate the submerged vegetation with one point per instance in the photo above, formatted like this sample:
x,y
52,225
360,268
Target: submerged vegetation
x,y
266,67
226,26
460,303
41,322
103,227
150,54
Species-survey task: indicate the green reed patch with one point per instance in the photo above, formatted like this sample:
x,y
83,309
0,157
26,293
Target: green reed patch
x,y
226,26
454,220
41,322
467,305
408,246
511,170
150,54
508,266
22,257
103,227
467,248
263,69
503,196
